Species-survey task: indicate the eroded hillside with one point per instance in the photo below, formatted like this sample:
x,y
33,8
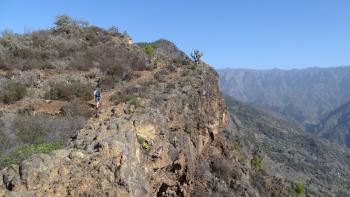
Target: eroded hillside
x,y
322,167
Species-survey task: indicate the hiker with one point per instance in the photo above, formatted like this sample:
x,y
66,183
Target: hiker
x,y
97,96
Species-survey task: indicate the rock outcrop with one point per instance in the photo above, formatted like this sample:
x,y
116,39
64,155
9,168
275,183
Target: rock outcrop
x,y
163,133
163,128
105,157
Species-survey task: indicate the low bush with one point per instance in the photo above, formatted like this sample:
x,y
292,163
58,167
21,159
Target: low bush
x,y
130,95
108,82
160,76
149,49
69,91
236,147
12,92
122,98
299,188
77,108
119,60
134,101
19,154
39,128
81,62
2,138
256,162
169,88
223,168
143,142
165,50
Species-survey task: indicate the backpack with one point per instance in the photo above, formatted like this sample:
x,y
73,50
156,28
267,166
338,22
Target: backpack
x,y
98,93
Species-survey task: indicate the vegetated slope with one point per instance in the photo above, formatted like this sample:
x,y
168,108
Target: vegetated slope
x,y
336,126
47,78
72,45
323,167
163,130
160,135
164,50
305,95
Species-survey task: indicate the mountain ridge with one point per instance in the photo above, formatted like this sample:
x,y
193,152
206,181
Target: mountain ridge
x,y
336,126
293,153
163,128
305,95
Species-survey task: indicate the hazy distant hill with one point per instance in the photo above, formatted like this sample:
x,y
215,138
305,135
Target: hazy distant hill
x,y
323,167
305,95
336,126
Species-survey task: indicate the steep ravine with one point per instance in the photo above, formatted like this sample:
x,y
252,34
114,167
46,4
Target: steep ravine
x,y
171,138
321,166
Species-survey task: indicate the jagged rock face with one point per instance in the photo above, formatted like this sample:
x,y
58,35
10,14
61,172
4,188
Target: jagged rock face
x,y
163,129
170,140
105,157
64,173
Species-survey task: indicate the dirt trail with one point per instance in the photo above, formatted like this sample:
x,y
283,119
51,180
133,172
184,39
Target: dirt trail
x,y
53,106
143,76
40,105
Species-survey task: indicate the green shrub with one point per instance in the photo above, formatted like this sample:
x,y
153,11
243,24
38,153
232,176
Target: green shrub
x,y
143,142
166,51
135,101
299,188
256,162
236,147
69,91
24,152
149,49
12,92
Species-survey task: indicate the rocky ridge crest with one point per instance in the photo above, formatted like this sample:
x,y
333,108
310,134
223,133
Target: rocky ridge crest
x,y
171,138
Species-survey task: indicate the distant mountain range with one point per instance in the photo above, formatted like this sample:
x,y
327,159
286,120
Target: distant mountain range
x,y
305,95
314,97
292,152
336,126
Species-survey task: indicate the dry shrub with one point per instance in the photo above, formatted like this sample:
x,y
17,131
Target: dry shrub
x,y
33,129
13,91
69,91
77,108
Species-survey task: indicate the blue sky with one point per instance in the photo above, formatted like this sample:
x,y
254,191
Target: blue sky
x,y
257,34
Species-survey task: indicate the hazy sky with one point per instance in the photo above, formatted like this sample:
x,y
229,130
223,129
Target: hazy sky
x,y
232,33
